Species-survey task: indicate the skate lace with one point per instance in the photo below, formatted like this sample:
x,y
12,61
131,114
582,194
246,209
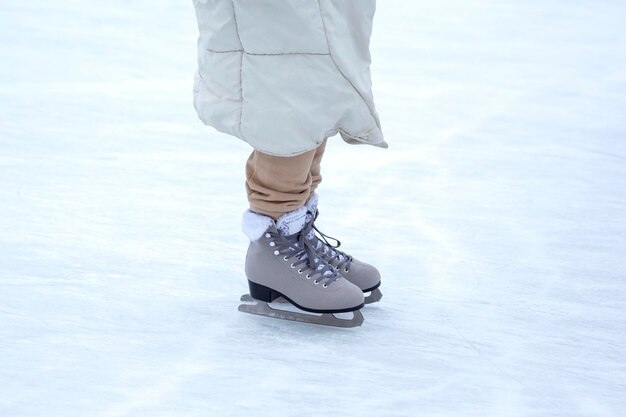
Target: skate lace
x,y
329,251
305,258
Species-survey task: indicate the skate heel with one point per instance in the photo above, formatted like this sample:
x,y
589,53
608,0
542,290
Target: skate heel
x,y
262,293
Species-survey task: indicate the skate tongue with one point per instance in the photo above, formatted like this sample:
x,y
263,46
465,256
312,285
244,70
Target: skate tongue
x,y
292,222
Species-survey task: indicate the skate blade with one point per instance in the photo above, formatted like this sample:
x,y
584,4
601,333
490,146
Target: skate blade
x,y
262,308
374,297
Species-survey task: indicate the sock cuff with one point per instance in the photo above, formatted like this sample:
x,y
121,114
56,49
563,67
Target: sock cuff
x,y
311,203
292,222
255,224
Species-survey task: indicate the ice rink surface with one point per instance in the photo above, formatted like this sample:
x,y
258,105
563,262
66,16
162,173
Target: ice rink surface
x,y
497,218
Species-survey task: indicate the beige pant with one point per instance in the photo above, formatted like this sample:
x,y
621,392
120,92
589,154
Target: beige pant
x,y
276,185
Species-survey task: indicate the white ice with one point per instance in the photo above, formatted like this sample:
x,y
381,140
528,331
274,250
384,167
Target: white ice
x,y
497,218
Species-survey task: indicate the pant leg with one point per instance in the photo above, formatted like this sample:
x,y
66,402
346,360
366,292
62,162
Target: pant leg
x,y
316,168
276,185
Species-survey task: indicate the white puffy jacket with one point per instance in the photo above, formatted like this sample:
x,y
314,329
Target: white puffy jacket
x,y
283,75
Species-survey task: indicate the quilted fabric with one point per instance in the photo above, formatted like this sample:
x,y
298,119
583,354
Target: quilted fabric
x,y
283,75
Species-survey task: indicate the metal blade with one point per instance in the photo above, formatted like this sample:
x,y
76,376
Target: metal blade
x,y
247,298
262,308
374,296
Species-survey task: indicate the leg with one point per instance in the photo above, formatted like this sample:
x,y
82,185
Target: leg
x,y
279,187
276,185
316,175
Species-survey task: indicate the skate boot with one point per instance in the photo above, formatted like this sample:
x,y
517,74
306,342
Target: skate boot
x,y
282,265
361,274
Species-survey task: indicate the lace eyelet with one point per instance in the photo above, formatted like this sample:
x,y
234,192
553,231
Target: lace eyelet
x,y
315,282
267,235
299,271
292,266
308,276
276,252
345,270
272,244
325,286
285,258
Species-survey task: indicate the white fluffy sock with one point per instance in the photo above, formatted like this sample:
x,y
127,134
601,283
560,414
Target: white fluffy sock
x,y
311,203
255,224
291,222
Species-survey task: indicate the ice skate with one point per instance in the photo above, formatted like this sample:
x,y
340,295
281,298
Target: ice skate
x,y
282,265
361,274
